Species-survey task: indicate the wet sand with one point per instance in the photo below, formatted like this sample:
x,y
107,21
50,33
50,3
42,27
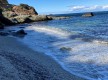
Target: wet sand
x,y
19,62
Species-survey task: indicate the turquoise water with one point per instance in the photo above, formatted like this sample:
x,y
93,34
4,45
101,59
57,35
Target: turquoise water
x,y
78,44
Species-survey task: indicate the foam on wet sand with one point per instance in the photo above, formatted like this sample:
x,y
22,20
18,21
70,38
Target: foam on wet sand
x,y
18,62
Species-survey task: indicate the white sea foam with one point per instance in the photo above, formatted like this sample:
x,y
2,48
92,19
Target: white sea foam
x,y
50,30
85,59
100,42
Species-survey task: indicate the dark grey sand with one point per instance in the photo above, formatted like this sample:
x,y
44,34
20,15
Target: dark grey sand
x,y
18,62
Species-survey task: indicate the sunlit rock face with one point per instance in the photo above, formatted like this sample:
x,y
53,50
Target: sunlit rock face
x,y
24,9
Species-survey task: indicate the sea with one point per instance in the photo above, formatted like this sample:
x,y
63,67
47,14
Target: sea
x,y
79,44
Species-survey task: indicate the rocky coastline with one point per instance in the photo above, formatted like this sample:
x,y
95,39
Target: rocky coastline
x,y
16,14
11,14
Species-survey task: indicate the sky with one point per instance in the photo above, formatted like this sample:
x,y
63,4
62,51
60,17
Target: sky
x,y
64,6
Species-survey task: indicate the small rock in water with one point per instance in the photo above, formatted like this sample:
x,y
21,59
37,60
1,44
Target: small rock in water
x,y
65,49
20,33
88,15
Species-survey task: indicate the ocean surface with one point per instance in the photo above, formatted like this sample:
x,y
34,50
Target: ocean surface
x,y
78,44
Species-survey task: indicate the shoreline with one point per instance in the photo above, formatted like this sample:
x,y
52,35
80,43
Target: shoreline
x,y
20,62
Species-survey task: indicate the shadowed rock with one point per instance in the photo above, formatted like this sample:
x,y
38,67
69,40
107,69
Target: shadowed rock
x,y
20,33
1,26
4,20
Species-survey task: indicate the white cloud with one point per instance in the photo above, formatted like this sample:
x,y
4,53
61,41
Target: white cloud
x,y
88,8
74,8
105,7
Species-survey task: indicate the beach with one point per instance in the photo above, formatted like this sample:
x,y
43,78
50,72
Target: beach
x,y
19,62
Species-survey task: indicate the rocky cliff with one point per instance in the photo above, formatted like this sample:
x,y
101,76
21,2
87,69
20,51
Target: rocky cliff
x,y
15,14
24,9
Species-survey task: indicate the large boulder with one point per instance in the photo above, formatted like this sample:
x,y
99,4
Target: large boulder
x,y
88,15
24,9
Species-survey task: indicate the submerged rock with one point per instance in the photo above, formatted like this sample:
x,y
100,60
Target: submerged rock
x,y
88,15
65,49
21,32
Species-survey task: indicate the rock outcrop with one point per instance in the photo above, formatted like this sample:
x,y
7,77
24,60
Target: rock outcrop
x,y
40,18
4,21
18,10
88,15
57,17
24,9
15,14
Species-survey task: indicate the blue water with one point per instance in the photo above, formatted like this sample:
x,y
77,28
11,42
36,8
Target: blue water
x,y
95,26
78,44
